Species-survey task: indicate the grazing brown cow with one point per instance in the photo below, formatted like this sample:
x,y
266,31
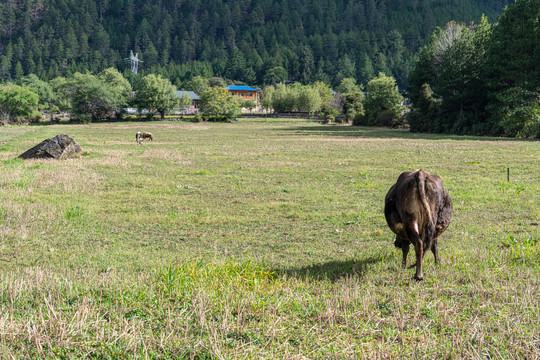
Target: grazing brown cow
x,y
418,209
139,136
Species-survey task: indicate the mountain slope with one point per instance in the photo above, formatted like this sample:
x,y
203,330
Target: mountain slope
x,y
242,40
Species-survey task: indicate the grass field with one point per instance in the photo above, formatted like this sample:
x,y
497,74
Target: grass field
x,y
262,239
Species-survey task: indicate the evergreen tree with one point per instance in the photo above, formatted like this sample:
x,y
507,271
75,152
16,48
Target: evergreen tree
x,y
235,64
513,70
19,73
480,80
275,75
368,72
307,66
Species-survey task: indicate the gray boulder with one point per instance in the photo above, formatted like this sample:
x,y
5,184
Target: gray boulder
x,y
59,147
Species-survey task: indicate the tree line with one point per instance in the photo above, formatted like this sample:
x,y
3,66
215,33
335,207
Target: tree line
x,y
107,95
481,79
87,97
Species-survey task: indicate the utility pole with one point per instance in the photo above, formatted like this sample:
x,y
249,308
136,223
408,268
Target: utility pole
x,y
134,59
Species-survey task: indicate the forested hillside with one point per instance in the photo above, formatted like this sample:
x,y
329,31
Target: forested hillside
x,y
481,80
252,41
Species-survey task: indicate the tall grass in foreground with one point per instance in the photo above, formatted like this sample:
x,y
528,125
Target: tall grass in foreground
x,y
262,240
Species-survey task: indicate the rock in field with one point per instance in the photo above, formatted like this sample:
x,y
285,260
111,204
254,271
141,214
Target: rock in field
x,y
59,147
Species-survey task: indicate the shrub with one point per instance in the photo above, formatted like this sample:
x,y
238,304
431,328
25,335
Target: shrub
x,y
328,118
35,117
220,118
360,120
350,114
198,118
389,118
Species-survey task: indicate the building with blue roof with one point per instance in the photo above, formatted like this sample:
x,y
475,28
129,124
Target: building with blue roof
x,y
244,92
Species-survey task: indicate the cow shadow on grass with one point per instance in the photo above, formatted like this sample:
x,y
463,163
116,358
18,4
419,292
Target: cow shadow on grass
x,y
333,270
385,133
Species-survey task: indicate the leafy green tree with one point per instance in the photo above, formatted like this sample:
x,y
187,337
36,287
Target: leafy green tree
x,y
150,55
184,101
267,97
348,86
155,94
309,99
198,85
62,96
19,72
120,86
248,104
90,98
320,74
215,81
325,93
247,75
353,106
395,50
446,87
284,98
17,101
460,85
218,103
236,63
382,103
424,72
482,80
5,67
46,93
347,69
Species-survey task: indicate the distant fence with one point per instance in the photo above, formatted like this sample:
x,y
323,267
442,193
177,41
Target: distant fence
x,y
291,115
296,114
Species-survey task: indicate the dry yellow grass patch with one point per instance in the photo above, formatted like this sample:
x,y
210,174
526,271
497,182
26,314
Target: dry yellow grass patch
x,y
69,176
51,325
25,220
115,158
175,156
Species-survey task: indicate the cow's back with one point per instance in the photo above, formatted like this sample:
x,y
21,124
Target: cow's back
x,y
404,204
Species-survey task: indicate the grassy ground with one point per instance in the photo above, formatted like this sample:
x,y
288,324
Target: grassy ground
x,y
262,239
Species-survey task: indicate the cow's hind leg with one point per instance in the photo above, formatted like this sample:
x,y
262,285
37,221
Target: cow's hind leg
x,y
405,250
414,237
435,250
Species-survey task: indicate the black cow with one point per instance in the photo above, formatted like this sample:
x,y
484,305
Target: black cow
x,y
418,209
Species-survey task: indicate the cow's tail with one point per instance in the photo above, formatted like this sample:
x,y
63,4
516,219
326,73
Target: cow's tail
x,y
430,226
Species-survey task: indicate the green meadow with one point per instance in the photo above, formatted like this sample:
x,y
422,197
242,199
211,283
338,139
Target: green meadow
x,y
262,239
